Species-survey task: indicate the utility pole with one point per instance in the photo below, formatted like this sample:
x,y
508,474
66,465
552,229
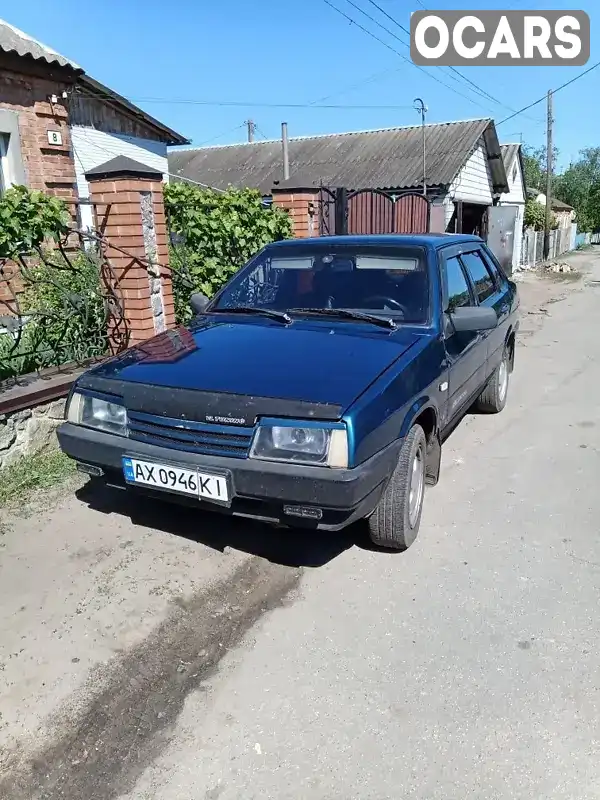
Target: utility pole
x,y
422,109
251,129
285,152
549,159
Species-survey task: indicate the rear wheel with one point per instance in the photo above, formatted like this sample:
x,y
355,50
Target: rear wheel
x,y
493,398
395,522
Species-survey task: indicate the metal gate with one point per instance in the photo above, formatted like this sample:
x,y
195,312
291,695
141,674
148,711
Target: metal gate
x,y
372,211
501,226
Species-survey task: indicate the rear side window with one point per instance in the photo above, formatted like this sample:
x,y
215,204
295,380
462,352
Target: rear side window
x,y
483,281
456,284
494,267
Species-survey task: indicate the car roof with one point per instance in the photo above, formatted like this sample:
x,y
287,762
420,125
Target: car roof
x,y
433,240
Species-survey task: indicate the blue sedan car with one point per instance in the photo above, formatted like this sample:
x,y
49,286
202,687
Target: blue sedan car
x,y
315,389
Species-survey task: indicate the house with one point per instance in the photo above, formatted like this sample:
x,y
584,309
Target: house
x,y
512,156
464,168
564,213
57,122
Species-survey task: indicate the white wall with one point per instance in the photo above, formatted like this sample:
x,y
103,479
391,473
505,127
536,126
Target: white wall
x,y
473,183
515,197
91,148
516,192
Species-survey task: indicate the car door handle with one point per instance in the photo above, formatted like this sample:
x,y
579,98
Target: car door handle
x,y
504,309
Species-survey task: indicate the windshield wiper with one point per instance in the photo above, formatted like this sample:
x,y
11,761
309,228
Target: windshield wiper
x,y
280,316
359,316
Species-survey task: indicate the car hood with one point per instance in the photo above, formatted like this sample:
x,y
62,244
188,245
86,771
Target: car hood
x,y
308,360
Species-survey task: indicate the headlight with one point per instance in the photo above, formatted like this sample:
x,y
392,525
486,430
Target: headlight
x,y
320,446
97,413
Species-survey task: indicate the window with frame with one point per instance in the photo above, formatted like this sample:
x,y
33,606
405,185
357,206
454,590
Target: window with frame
x,y
4,177
482,278
457,286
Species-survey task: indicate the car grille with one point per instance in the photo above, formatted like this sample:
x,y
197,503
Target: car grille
x,y
195,437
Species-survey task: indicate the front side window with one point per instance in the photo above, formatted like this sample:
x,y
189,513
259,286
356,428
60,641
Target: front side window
x,y
387,281
483,282
457,287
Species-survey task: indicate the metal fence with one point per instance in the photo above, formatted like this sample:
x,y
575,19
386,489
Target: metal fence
x,y
562,240
59,306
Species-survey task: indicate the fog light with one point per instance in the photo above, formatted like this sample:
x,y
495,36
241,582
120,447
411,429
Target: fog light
x,y
89,469
306,512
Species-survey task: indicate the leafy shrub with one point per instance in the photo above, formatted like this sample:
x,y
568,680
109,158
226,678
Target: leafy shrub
x,y
28,218
535,216
214,234
62,315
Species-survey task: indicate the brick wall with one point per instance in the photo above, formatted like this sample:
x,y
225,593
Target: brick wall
x,y
302,206
49,168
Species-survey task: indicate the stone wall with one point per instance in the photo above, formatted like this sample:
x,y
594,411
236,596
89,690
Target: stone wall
x,y
29,431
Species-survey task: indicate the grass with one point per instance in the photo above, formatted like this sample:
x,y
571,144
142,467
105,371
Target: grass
x,y
31,474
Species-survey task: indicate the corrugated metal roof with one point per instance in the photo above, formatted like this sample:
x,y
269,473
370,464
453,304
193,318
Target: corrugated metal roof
x,y
383,159
12,40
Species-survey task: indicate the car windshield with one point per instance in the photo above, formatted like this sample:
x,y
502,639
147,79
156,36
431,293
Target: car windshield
x,y
390,282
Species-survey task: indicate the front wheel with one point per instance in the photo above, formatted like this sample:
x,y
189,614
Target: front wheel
x,y
395,522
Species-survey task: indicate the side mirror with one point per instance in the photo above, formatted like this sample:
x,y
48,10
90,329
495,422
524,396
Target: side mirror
x,y
198,302
473,319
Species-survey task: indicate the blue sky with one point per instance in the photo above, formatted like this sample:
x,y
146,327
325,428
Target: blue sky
x,y
298,51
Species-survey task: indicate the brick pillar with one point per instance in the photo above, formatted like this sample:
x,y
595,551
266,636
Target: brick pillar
x,y
130,215
302,206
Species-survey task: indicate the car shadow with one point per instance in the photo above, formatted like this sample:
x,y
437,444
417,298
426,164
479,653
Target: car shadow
x,y
292,547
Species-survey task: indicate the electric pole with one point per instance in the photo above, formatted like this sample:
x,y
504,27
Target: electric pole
x,y
549,159
251,129
422,110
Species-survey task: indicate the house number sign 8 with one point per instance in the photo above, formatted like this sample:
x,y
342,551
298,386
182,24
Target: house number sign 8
x,y
54,137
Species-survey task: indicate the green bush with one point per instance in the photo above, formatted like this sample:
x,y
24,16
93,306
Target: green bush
x,y
62,315
28,218
535,216
216,233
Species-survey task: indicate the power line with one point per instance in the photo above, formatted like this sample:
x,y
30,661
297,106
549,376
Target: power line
x,y
370,79
464,78
252,104
258,130
543,98
220,135
479,91
397,52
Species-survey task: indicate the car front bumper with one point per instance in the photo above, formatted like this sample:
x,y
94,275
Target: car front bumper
x,y
259,489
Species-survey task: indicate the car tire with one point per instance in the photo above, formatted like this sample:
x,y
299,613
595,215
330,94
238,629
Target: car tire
x,y
395,522
493,398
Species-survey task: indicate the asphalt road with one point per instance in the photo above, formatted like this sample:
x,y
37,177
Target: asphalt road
x,y
151,653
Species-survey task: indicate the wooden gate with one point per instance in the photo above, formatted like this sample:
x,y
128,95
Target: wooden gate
x,y
372,211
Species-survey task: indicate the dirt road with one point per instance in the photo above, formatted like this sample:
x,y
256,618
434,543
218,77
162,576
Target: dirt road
x,y
152,653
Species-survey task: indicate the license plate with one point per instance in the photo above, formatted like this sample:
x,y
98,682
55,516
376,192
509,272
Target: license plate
x,y
191,482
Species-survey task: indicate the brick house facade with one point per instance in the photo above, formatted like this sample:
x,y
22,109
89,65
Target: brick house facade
x,y
25,97
57,123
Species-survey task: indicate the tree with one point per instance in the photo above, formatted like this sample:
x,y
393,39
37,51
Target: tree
x,y
579,186
535,216
534,162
